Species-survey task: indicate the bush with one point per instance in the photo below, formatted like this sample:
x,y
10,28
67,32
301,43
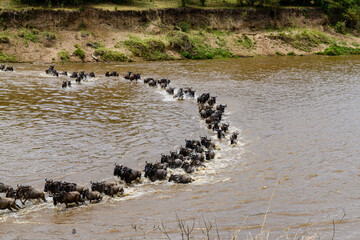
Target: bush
x,y
185,27
79,52
291,53
194,46
150,49
110,55
64,55
29,34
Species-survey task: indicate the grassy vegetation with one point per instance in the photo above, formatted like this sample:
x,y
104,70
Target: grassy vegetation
x,y
304,40
194,46
29,34
4,39
64,55
79,52
110,55
7,58
34,35
149,49
336,50
246,42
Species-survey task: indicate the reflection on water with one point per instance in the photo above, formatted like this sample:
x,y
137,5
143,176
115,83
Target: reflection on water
x,y
298,121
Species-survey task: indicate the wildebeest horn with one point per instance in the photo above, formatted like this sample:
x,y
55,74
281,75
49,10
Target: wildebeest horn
x,y
45,179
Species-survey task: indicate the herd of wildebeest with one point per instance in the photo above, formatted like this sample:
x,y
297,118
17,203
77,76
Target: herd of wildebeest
x,y
190,157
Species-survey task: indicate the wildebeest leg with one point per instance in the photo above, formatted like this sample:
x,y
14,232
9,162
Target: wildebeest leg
x,y
17,207
10,208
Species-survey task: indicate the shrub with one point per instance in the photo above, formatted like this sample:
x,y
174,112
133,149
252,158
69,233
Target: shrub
x,y
194,46
185,27
79,52
64,55
150,49
29,34
291,53
110,55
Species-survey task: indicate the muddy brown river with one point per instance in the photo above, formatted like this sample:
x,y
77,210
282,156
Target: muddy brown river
x,y
293,174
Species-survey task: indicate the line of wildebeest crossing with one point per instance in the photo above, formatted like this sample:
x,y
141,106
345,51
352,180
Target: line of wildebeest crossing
x,y
189,158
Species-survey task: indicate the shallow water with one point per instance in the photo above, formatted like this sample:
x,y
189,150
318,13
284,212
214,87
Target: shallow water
x,y
296,160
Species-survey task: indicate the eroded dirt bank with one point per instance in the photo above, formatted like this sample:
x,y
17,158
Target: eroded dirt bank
x,y
39,35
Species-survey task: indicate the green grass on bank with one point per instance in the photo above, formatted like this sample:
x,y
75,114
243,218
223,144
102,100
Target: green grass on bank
x,y
7,58
303,39
336,50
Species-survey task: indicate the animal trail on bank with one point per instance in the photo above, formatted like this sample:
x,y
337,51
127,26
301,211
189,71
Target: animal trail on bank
x,y
177,166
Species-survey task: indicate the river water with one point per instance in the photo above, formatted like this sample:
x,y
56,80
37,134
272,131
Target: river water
x,y
293,174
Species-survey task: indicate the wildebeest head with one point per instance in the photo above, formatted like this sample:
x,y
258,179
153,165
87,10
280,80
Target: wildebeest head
x,y
57,197
48,182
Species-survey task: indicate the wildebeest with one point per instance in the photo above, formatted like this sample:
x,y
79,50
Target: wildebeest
x,y
114,190
64,84
67,197
8,203
9,68
225,127
70,187
209,155
180,178
147,80
180,94
52,186
127,76
4,187
28,192
220,134
189,92
135,77
11,193
233,137
109,188
203,98
211,101
154,173
74,75
206,142
126,173
170,90
92,195
221,107
152,83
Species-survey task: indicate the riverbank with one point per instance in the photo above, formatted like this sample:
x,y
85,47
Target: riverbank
x,y
90,34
